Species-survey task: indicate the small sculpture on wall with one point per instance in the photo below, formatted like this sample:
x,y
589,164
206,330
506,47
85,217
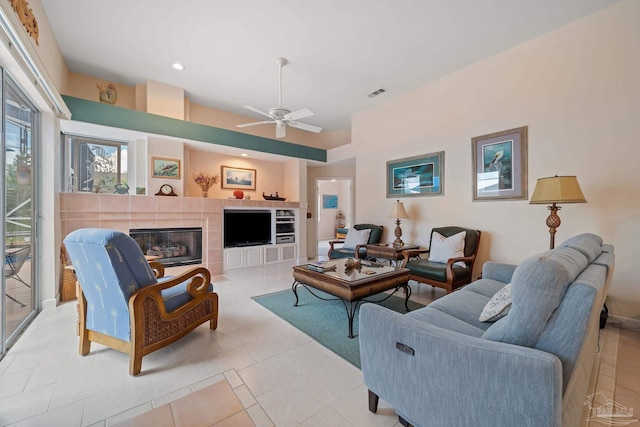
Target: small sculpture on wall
x,y
27,18
109,94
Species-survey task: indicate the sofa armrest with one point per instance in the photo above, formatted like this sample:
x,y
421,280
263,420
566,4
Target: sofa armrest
x,y
453,379
498,271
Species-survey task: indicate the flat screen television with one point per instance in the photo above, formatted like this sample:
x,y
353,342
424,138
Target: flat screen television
x,y
244,227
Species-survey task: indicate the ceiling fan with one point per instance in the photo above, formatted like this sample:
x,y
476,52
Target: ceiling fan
x,y
281,116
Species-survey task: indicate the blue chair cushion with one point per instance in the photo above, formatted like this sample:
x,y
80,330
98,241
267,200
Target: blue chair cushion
x,y
177,296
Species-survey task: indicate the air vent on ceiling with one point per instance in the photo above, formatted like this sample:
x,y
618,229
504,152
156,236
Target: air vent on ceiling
x,y
377,92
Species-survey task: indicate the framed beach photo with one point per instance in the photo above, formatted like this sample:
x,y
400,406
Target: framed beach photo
x,y
162,167
416,176
500,165
238,178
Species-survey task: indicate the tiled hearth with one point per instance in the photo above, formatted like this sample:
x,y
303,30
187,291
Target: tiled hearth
x,y
124,212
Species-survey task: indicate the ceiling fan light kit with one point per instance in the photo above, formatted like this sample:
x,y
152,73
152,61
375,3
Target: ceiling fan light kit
x,y
281,116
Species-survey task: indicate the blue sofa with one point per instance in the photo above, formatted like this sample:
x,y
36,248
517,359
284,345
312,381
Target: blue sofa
x,y
441,366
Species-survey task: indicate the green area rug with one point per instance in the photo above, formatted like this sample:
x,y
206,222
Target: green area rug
x,y
326,321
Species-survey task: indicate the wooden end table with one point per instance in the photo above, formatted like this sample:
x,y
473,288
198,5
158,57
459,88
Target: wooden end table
x,y
354,285
394,255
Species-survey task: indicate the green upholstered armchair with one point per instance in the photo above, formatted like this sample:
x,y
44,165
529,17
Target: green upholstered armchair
x,y
342,252
451,274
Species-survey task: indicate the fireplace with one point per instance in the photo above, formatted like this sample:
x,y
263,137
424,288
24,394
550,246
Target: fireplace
x,y
173,246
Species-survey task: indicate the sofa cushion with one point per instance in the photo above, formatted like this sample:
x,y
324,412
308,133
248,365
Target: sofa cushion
x,y
356,237
444,320
485,287
498,306
590,245
537,288
444,248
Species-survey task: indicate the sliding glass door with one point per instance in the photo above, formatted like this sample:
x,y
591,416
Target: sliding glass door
x,y
20,123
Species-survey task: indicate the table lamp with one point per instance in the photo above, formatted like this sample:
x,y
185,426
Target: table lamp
x,y
556,189
397,212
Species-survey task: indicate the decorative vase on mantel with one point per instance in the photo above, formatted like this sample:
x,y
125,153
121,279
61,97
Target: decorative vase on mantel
x,y
205,190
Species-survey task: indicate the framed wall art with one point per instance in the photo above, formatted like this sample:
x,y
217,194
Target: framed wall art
x,y
238,178
416,176
329,201
162,167
500,165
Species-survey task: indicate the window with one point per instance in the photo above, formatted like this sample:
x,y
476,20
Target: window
x,y
95,165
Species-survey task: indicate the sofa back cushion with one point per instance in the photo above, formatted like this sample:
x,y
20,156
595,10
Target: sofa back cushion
x,y
588,244
537,288
566,332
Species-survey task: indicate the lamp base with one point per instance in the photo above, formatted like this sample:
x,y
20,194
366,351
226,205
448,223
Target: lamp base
x,y
398,243
553,222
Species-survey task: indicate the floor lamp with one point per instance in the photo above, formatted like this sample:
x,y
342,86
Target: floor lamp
x,y
397,212
556,189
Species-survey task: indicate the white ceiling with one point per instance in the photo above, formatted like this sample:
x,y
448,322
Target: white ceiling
x,y
338,50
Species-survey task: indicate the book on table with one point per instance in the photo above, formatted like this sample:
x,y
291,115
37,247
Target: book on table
x,y
322,266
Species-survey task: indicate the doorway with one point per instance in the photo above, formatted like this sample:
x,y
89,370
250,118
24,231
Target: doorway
x,y
20,124
334,208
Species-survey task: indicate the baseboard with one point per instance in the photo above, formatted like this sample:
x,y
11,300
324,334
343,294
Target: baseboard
x,y
50,303
623,322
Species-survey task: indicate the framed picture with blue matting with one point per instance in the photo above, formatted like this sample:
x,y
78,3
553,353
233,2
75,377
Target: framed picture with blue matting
x,y
416,176
329,201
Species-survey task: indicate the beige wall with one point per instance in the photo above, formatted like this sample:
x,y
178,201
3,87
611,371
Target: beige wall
x,y
577,89
269,175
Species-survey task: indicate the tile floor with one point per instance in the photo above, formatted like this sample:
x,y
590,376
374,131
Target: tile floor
x,y
255,370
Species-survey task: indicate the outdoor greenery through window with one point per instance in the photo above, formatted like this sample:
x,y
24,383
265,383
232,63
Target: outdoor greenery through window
x,y
97,166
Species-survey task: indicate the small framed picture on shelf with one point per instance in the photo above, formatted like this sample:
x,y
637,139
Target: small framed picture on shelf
x,y
163,167
238,178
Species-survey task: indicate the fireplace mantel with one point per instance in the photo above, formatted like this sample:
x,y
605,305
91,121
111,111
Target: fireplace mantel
x,y
124,212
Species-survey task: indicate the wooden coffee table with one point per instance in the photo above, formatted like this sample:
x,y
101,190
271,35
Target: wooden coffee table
x,y
352,286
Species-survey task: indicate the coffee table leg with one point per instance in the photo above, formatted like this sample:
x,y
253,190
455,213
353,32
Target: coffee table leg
x,y
351,309
407,292
294,288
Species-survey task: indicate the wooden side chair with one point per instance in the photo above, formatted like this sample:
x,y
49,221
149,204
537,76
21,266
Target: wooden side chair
x,y
125,302
447,272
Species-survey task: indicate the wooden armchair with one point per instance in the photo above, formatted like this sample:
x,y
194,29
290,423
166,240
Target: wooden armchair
x,y
123,305
342,252
453,273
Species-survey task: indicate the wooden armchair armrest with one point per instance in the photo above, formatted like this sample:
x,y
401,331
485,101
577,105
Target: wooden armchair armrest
x,y
197,287
334,242
158,269
412,253
452,261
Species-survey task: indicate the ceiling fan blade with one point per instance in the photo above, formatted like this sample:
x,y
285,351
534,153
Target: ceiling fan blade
x,y
246,125
305,126
281,131
255,110
299,114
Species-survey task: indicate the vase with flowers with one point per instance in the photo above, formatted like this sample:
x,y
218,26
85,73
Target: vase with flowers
x,y
205,181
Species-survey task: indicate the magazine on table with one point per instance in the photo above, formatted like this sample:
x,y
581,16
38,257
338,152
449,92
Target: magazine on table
x,y
322,266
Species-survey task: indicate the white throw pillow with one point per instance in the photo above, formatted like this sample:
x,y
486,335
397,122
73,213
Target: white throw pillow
x,y
498,306
356,237
444,248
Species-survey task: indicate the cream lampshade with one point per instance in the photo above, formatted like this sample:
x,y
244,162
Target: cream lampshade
x,y
397,212
556,189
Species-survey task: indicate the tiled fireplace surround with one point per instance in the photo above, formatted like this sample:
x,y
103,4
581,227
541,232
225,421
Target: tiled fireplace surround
x,y
123,212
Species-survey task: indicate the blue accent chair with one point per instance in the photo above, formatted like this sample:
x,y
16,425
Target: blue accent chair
x,y
125,302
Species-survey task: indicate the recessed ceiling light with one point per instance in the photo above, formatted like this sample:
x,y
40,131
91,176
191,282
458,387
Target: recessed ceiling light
x,y
244,155
178,66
